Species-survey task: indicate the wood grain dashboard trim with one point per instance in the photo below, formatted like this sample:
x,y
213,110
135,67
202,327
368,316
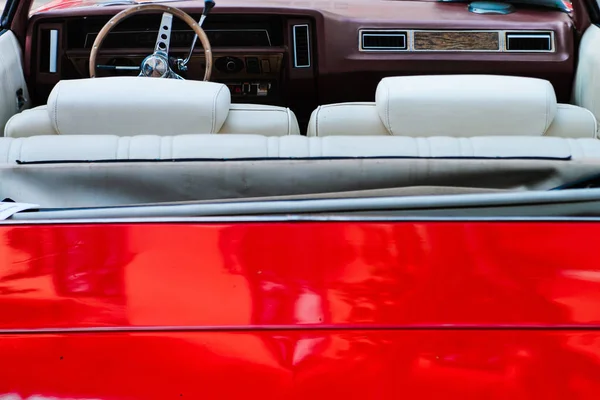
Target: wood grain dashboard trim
x,y
457,41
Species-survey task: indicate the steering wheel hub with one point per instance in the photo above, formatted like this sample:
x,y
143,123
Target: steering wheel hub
x,y
155,66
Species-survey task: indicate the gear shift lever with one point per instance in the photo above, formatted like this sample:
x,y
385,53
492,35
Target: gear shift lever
x,y
182,64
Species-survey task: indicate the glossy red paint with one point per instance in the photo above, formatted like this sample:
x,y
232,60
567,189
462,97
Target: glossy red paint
x,y
301,310
323,365
288,274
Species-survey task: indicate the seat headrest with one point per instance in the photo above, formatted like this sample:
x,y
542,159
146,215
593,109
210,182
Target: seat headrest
x,y
465,105
128,106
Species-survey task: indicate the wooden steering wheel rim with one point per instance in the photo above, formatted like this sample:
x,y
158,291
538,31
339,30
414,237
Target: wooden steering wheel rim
x,y
120,17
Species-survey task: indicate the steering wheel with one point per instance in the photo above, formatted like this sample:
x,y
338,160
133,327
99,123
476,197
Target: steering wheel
x,y
156,64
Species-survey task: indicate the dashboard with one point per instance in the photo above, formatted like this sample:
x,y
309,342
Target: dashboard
x,y
303,54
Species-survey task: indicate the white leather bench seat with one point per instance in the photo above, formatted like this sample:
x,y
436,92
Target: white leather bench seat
x,y
207,146
456,106
129,106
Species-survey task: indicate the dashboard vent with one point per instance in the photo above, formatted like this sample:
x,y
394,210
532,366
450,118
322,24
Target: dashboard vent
x,y
301,37
383,40
529,42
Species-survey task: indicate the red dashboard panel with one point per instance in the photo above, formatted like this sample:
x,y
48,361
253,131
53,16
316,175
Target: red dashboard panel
x,y
300,310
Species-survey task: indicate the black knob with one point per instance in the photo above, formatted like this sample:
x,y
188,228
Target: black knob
x,y
230,65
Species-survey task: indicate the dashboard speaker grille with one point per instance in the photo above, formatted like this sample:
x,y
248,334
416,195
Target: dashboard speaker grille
x,y
301,39
383,40
529,42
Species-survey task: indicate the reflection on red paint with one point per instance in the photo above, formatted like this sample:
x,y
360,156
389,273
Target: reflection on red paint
x,y
297,274
355,365
354,310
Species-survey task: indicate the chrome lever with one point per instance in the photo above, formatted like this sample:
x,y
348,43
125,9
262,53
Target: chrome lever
x,y
182,64
118,67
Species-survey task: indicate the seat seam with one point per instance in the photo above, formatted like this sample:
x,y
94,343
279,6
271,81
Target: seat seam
x,y
118,146
55,111
387,110
262,108
465,146
317,121
162,147
321,145
349,104
21,150
572,144
8,124
214,117
595,136
547,111
10,145
428,146
282,109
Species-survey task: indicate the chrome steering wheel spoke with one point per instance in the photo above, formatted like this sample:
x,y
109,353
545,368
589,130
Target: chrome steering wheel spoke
x,y
163,39
117,67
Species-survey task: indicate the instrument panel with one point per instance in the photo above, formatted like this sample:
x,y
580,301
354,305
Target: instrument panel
x,y
248,53
301,58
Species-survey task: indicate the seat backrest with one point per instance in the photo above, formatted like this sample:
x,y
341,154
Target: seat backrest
x,y
456,106
143,147
130,106
260,119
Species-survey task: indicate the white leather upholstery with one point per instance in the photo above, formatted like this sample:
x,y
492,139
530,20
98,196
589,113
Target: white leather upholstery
x,y
573,121
586,90
262,120
109,147
32,122
126,106
457,106
346,119
11,77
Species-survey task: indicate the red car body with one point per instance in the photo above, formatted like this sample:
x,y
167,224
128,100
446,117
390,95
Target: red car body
x,y
300,310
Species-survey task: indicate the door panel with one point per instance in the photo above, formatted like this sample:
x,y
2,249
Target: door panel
x,y
14,96
300,310
586,92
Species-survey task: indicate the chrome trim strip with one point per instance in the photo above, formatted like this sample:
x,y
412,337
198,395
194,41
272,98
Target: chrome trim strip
x,y
294,27
411,43
53,51
377,32
545,34
292,218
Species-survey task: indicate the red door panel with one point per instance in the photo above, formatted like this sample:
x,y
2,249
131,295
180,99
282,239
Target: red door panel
x,y
300,311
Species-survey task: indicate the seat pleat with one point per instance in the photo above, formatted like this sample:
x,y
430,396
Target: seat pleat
x,y
105,147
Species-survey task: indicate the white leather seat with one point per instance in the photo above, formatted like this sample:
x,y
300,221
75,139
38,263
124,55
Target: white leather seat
x,y
143,147
457,106
130,106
